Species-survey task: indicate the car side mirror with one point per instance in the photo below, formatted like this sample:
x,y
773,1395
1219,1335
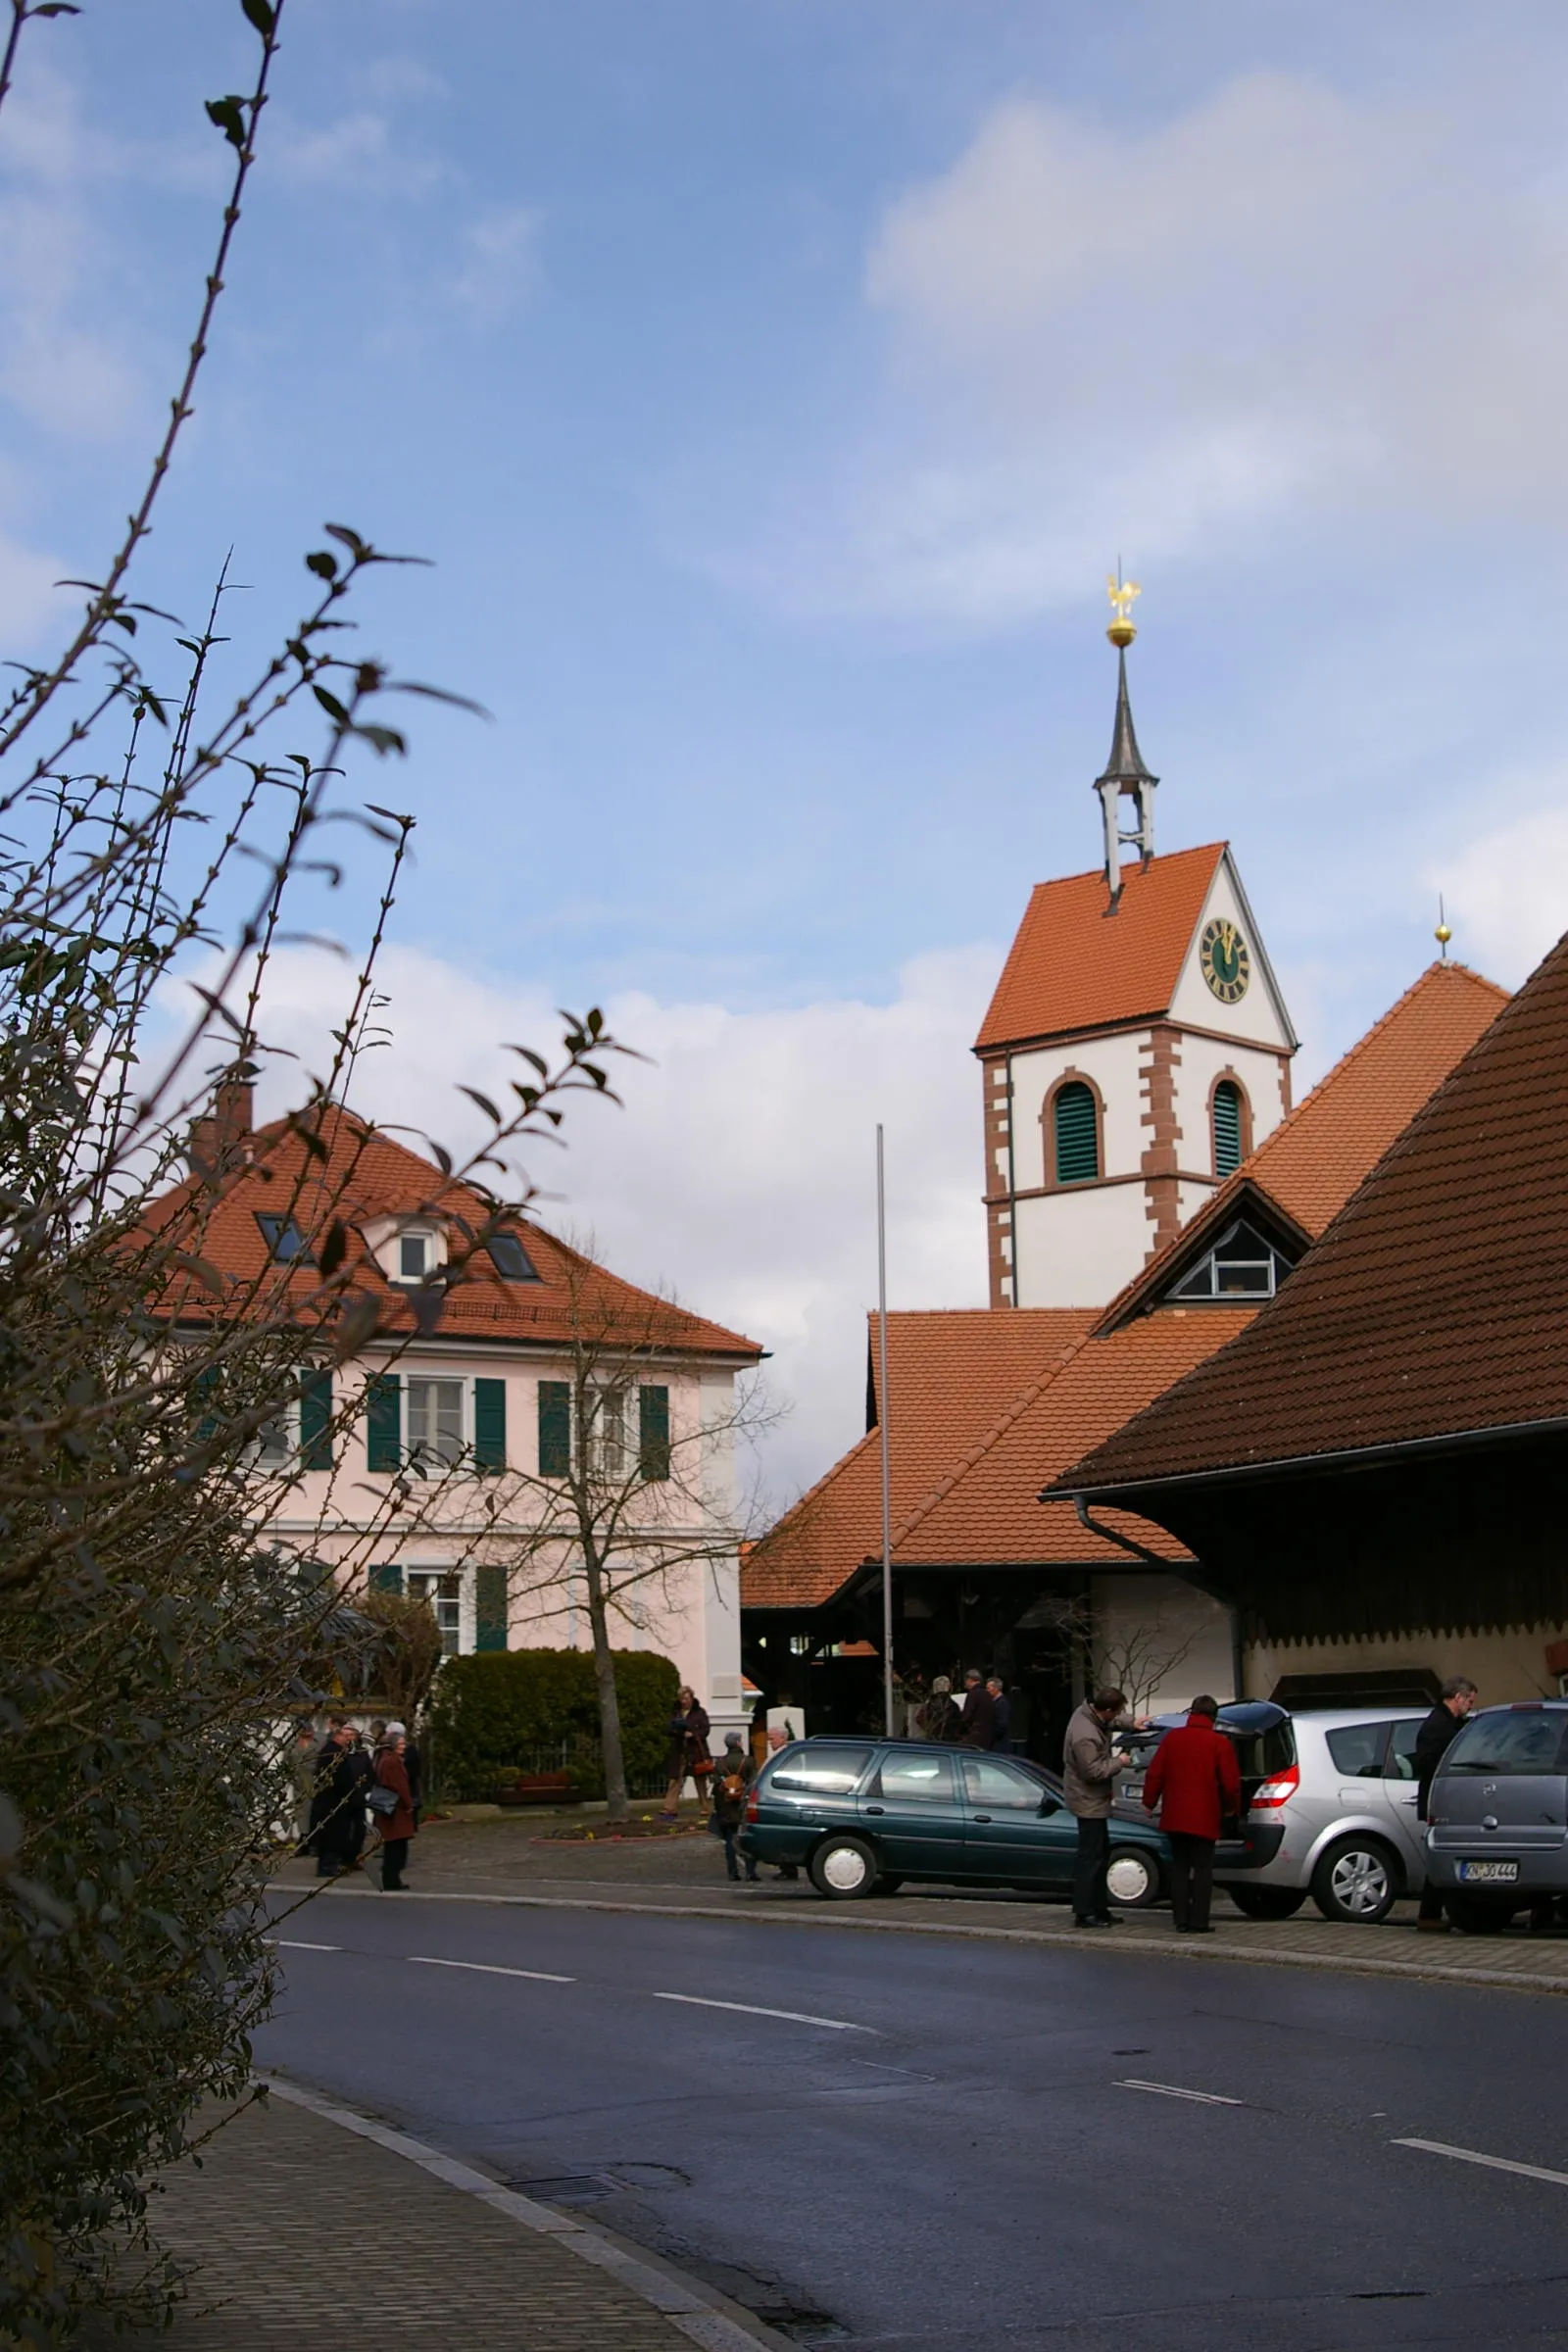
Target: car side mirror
x,y
1050,1803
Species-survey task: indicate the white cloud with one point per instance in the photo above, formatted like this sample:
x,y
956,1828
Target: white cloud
x,y
741,1171
1505,893
499,264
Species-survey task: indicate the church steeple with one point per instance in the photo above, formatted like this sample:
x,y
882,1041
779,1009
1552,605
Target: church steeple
x,y
1124,771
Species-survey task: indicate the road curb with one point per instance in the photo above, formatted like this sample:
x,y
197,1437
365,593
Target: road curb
x,y
1421,1971
703,2315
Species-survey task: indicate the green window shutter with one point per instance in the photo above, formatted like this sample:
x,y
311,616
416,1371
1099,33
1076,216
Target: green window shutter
x,y
555,1428
1227,1128
1074,1134
490,1424
490,1608
383,1429
204,1387
386,1577
652,1432
316,1419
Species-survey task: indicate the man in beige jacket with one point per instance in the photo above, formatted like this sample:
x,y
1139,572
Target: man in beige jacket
x,y
1090,1765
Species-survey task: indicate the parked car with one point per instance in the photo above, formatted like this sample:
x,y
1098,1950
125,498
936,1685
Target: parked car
x,y
1331,1809
864,1815
1500,1814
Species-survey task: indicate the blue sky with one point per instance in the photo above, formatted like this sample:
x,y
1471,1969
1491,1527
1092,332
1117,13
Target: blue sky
x,y
771,383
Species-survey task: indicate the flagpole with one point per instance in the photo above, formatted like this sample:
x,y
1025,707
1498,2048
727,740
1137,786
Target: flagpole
x,y
882,1429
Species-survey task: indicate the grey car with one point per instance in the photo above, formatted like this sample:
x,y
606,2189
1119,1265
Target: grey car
x,y
1500,1814
1331,1804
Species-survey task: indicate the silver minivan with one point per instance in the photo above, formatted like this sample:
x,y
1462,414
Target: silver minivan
x,y
1330,1802
1500,1814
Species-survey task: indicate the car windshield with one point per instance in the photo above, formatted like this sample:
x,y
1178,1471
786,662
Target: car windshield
x,y
1524,1740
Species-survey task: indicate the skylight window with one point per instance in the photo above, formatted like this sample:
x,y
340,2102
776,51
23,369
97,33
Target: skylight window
x,y
1241,1265
510,1259
284,1240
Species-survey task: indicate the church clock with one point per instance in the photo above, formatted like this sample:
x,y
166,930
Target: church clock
x,y
1224,960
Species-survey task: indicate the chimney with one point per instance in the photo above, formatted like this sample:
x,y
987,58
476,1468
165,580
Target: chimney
x,y
217,1138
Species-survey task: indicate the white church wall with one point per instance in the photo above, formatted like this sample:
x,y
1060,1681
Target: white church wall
x,y
1203,1060
1254,1015
1078,1247
1113,1063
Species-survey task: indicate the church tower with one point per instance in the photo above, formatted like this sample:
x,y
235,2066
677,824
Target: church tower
x,y
1136,1049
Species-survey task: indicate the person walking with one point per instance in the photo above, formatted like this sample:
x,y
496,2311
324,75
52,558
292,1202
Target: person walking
x,y
1455,1700
688,1750
978,1712
1196,1783
1090,1765
732,1778
939,1717
1000,1712
392,1803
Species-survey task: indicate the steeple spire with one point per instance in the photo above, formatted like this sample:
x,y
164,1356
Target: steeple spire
x,y
1124,771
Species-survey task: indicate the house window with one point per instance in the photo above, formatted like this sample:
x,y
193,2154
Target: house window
x,y
510,1259
415,1257
1241,1265
442,1588
285,1244
1226,1116
1074,1134
275,1440
607,1438
435,1424
299,1435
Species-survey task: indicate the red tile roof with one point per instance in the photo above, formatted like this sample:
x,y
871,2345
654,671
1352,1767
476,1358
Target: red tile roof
x,y
1076,963
1432,1305
365,1175
951,1374
1312,1161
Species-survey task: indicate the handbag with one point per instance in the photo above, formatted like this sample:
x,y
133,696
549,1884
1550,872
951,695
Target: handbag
x,y
382,1800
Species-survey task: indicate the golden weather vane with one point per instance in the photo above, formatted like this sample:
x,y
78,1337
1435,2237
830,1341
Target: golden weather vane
x,y
1443,934
1122,593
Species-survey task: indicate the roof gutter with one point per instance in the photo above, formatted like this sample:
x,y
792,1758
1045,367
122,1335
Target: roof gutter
x,y
1350,1458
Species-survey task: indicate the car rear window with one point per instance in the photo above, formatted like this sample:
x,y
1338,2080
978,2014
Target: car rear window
x,y
1357,1750
1523,1741
820,1771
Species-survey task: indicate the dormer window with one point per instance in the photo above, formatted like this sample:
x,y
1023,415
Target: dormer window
x,y
285,1244
510,1259
1241,1265
414,1257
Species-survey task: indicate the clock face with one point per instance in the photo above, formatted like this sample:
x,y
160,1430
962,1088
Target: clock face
x,y
1226,964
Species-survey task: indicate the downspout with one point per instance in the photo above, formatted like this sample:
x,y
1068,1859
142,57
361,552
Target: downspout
x,y
1012,1189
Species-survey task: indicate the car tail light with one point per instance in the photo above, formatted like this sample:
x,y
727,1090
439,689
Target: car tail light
x,y
1277,1789
753,1805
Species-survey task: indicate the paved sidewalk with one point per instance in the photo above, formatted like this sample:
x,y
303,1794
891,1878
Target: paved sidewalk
x,y
303,2226
512,1861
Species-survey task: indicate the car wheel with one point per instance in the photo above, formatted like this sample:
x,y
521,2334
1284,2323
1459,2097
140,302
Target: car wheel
x,y
1478,1914
1356,1881
1132,1878
1267,1902
842,1867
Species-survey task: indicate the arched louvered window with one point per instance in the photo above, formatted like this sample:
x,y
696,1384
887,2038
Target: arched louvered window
x,y
1227,1117
1075,1134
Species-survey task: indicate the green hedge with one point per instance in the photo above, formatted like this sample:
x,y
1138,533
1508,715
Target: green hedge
x,y
491,1711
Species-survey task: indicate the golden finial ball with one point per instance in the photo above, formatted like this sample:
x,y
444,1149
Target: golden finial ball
x,y
1121,634
1443,935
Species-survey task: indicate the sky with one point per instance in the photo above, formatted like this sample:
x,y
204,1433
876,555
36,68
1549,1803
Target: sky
x,y
771,384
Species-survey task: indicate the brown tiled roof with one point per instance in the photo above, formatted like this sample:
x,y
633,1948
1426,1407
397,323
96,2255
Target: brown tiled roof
x,y
951,1374
1312,1161
1433,1303
366,1175
1078,964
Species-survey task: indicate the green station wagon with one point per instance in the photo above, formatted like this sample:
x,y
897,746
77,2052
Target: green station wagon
x,y
863,1815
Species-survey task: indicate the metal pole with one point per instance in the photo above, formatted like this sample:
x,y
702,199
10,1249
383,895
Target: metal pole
x,y
882,1432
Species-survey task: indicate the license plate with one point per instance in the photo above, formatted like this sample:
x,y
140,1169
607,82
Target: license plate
x,y
1476,1874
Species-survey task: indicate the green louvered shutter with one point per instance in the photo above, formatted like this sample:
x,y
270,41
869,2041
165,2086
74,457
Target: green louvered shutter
x,y
1073,1134
383,1423
386,1577
555,1428
652,1432
490,1608
204,1388
1227,1128
316,1419
490,1424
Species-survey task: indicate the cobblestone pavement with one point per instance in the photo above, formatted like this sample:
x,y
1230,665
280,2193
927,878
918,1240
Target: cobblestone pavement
x,y
513,1859
299,2226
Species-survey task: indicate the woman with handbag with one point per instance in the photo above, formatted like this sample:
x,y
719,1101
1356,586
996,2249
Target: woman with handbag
x,y
391,1801
688,1750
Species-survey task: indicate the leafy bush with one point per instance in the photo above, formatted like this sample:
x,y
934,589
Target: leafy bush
x,y
492,1710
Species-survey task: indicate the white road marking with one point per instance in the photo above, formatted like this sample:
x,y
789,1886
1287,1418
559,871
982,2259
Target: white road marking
x,y
795,2017
487,1968
1173,2090
1496,2164
285,1944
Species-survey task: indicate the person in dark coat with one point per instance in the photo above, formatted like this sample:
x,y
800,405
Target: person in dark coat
x,y
414,1766
396,1824
732,1777
1000,1712
688,1750
337,1808
939,1717
1432,1741
1195,1782
978,1712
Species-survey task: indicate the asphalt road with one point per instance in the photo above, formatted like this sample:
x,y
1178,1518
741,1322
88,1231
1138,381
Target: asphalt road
x,y
968,2145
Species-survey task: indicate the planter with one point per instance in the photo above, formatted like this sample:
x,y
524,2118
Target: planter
x,y
539,1788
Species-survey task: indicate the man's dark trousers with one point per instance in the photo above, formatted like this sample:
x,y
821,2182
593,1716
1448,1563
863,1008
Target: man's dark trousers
x,y
1090,1898
1191,1879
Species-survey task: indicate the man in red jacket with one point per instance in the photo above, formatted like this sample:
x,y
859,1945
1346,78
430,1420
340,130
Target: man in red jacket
x,y
1196,1782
